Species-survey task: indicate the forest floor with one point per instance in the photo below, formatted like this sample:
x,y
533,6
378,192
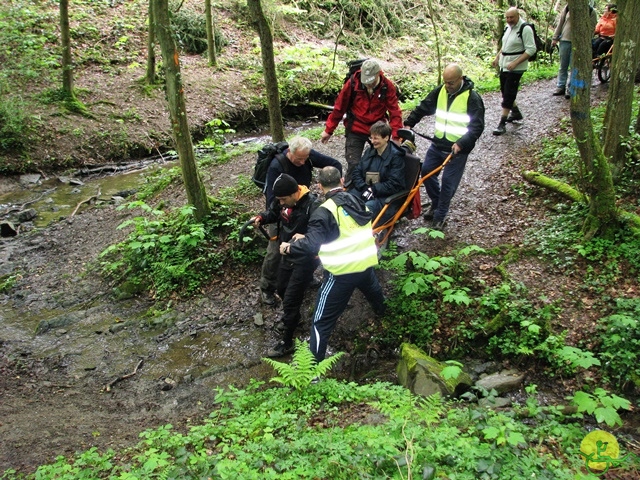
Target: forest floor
x,y
51,406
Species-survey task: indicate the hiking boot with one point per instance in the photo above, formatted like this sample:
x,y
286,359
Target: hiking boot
x,y
567,96
501,129
280,350
559,91
429,214
514,115
268,298
437,225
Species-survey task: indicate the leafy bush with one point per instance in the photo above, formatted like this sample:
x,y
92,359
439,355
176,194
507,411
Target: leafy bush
x,y
190,30
170,254
422,286
620,343
16,124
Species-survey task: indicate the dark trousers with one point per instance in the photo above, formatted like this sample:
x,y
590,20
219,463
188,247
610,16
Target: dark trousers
x,y
271,262
442,193
333,296
509,84
353,147
600,46
293,281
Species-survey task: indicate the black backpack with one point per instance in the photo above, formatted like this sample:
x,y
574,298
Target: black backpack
x,y
265,155
536,38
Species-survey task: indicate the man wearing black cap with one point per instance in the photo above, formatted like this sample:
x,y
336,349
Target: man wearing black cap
x,y
291,209
298,162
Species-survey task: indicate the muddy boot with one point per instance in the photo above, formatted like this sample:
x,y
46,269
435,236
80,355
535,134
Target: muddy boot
x,y
501,129
514,115
559,91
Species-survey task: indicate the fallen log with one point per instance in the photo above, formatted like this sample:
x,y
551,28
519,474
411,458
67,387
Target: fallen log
x,y
556,186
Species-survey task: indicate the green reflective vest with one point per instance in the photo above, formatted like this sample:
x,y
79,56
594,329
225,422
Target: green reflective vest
x,y
452,123
354,250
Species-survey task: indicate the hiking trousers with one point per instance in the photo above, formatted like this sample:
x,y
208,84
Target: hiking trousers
x,y
442,193
354,145
293,281
271,262
333,296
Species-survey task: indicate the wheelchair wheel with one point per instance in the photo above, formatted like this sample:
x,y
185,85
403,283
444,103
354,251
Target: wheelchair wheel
x,y
604,69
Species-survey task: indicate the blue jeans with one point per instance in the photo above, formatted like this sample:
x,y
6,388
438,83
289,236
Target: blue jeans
x,y
565,62
442,193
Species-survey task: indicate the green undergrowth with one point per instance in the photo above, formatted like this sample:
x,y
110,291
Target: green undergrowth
x,y
342,430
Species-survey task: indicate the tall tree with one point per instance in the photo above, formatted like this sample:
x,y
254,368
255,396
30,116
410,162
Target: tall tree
x,y
596,176
196,194
151,42
626,54
269,69
211,37
65,40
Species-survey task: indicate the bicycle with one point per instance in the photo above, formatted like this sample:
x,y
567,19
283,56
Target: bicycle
x,y
603,65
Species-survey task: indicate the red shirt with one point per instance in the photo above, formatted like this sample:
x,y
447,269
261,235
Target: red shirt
x,y
366,110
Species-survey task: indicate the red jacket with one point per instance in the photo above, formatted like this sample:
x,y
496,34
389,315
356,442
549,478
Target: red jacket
x,y
606,26
365,110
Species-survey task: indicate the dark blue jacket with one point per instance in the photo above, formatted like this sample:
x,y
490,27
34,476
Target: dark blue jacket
x,y
390,166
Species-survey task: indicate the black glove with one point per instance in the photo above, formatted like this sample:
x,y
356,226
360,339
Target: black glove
x,y
368,194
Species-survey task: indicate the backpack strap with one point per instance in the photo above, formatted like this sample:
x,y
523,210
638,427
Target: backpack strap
x,y
520,52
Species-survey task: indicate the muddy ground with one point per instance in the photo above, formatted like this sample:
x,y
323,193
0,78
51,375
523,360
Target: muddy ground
x,y
59,390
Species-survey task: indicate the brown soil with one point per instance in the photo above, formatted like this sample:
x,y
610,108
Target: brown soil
x,y
49,409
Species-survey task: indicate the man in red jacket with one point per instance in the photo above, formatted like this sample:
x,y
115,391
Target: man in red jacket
x,y
367,97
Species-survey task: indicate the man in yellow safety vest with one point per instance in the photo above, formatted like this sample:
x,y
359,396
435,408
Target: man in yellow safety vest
x,y
339,232
459,122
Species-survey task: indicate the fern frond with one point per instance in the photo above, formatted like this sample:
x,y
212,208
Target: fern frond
x,y
303,368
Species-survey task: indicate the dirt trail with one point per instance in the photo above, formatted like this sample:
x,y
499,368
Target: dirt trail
x,y
51,406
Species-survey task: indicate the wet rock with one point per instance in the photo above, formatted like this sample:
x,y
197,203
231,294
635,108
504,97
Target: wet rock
x,y
494,402
167,384
7,230
27,215
59,321
505,381
30,179
422,374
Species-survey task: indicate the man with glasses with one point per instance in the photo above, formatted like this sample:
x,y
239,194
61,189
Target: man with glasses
x,y
299,160
366,98
459,122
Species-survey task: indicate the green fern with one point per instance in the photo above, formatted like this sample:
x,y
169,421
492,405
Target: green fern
x,y
303,367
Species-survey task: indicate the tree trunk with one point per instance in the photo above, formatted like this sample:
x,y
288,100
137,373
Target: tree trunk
x,y
596,176
626,54
501,11
151,41
437,40
211,37
269,68
196,194
65,40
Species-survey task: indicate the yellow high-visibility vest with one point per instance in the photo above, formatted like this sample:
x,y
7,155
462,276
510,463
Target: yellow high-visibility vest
x,y
453,123
354,250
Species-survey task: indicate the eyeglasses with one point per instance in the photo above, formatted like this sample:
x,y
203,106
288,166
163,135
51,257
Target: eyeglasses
x,y
452,82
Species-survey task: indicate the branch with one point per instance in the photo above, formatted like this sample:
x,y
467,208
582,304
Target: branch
x,y
107,387
93,197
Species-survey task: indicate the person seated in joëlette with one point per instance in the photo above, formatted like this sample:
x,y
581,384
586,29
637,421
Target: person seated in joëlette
x,y
605,31
380,172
